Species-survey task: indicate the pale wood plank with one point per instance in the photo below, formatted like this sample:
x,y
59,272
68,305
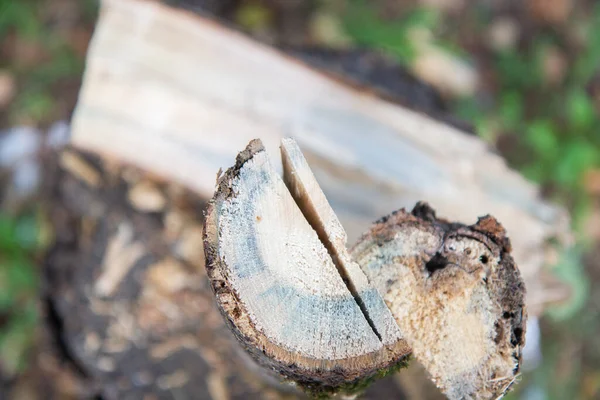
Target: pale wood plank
x,y
178,95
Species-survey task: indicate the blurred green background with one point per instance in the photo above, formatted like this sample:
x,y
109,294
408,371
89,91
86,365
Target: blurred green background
x,y
525,73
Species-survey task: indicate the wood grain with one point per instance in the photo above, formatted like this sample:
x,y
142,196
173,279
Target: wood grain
x,y
452,292
308,195
456,294
278,287
153,330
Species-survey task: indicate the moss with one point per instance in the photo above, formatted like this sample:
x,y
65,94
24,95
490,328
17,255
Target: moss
x,y
356,387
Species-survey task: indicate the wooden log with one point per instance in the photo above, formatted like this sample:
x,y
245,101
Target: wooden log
x,y
456,294
280,290
176,94
454,291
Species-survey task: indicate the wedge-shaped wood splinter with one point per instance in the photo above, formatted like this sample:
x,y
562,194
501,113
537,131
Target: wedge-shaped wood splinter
x,y
329,319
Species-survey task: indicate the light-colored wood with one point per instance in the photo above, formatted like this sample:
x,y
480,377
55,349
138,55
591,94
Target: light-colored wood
x,y
283,273
312,201
450,291
178,95
456,295
277,284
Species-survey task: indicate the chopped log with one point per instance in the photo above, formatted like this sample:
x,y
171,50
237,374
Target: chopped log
x,y
464,365
456,294
280,290
176,94
454,291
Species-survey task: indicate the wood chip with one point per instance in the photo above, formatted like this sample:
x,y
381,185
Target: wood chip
x,y
80,168
147,197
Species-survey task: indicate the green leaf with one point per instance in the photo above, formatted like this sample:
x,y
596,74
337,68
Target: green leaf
x,y
422,17
22,278
571,271
21,16
581,113
15,341
35,105
518,71
542,137
511,109
254,16
27,231
467,108
534,172
577,157
586,64
65,63
8,240
364,26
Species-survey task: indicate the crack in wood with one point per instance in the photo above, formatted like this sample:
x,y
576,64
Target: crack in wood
x,y
298,187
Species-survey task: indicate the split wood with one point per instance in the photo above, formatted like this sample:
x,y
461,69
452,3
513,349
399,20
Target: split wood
x,y
333,319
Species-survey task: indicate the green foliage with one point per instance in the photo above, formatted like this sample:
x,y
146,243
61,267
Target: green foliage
x,y
511,109
367,28
518,71
34,101
541,135
570,270
19,15
19,239
254,16
589,59
33,104
580,112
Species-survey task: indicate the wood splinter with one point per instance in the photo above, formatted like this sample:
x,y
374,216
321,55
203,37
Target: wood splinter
x,y
331,319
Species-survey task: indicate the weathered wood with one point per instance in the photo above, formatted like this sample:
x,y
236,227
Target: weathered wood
x,y
176,94
455,292
280,290
316,209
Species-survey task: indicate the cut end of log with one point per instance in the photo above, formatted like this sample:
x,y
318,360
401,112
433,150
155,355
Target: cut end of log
x,y
277,285
329,319
456,294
